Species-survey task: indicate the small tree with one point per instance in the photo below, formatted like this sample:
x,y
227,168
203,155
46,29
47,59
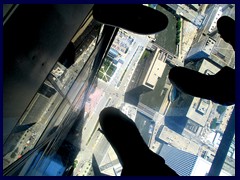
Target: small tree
x,y
13,155
213,123
75,163
221,109
179,25
177,40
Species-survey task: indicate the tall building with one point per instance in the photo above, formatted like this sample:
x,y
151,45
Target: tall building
x,y
146,79
208,44
145,125
167,136
213,13
189,12
107,163
199,109
191,116
201,49
187,113
123,41
186,164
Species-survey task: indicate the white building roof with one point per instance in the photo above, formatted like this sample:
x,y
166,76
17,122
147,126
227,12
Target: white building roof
x,y
202,167
155,71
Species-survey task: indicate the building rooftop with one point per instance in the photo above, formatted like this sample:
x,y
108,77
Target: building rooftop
x,y
143,124
202,167
177,140
209,45
215,19
222,53
161,88
180,161
206,67
200,109
186,164
203,106
155,71
189,12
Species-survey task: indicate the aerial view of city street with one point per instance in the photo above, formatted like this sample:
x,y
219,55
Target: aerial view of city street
x,y
134,78
190,126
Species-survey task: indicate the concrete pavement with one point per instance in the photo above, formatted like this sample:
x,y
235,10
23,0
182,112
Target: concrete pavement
x,y
113,95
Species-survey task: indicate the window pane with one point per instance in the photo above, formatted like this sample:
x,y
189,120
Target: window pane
x,y
185,130
32,124
60,98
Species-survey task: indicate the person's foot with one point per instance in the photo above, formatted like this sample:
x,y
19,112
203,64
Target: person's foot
x,y
220,88
132,152
122,134
132,17
226,29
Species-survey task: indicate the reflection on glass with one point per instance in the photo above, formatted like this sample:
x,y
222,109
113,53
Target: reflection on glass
x,y
59,99
32,124
186,131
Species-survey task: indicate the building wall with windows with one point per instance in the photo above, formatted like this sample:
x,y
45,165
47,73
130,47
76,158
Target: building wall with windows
x,y
186,164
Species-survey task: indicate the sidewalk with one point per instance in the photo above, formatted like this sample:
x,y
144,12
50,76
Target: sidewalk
x,y
188,33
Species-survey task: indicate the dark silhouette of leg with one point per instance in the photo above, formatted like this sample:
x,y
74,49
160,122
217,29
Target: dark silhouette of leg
x,y
226,29
132,17
220,88
133,153
224,84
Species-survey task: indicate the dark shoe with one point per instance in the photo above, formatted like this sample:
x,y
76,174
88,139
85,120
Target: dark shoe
x,y
122,133
132,17
224,84
226,29
133,153
220,88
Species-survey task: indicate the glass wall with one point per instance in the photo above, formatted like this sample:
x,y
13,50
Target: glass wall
x,y
181,128
57,103
172,123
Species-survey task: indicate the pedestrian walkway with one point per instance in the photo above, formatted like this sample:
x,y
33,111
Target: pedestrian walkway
x,y
188,33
